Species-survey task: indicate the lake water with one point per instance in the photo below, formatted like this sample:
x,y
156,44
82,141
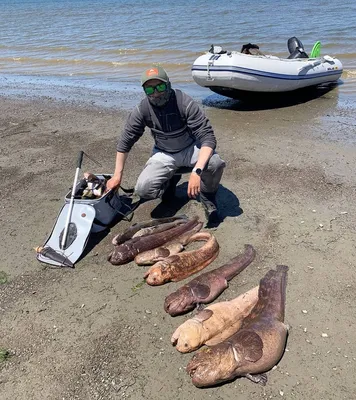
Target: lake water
x,y
113,41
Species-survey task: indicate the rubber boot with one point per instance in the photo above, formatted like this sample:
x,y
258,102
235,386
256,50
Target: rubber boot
x,y
208,200
170,192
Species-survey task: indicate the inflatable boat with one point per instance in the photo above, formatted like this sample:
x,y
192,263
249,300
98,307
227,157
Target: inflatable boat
x,y
231,72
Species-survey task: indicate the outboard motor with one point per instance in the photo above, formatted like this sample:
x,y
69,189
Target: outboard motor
x,y
296,49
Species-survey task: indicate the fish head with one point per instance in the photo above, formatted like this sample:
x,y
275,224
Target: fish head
x,y
213,365
179,301
190,337
157,274
121,254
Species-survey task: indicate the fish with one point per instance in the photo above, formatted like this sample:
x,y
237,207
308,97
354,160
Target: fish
x,y
95,186
208,286
128,250
158,228
54,255
150,257
130,232
180,266
254,349
215,323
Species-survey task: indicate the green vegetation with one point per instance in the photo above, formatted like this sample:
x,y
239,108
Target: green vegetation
x,y
138,286
4,355
3,278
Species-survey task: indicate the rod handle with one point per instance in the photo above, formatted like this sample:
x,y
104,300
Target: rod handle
x,y
80,159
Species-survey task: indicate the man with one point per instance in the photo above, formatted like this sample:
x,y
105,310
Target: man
x,y
183,138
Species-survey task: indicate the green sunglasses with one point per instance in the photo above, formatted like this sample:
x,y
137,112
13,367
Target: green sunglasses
x,y
161,87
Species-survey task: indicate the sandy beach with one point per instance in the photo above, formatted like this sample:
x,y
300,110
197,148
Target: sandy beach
x,y
98,332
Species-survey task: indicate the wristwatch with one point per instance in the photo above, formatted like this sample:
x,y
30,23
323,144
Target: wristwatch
x,y
198,171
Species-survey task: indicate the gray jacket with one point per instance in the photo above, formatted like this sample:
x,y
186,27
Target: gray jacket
x,y
174,127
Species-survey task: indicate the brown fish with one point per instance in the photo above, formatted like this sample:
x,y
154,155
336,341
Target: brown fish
x,y
130,232
180,266
150,257
159,228
215,323
128,250
256,347
208,286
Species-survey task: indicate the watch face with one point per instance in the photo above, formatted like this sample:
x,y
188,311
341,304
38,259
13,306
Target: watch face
x,y
198,171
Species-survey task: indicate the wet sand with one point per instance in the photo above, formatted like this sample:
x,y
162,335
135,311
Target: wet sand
x,y
97,332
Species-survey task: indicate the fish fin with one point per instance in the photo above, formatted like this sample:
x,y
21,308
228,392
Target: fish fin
x,y
249,344
203,315
258,378
200,290
161,253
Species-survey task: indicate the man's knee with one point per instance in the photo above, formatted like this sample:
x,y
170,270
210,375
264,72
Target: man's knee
x,y
215,164
146,189
148,186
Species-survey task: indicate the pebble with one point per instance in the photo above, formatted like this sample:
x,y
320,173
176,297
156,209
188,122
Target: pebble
x,y
324,335
304,311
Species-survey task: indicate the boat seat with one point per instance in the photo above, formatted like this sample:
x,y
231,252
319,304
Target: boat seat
x,y
296,49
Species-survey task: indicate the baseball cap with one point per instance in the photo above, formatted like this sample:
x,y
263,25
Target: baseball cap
x,y
155,72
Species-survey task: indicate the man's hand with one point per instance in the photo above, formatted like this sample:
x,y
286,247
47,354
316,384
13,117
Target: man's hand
x,y
113,183
194,185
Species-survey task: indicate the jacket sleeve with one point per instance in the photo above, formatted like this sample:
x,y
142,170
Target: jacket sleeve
x,y
133,130
198,123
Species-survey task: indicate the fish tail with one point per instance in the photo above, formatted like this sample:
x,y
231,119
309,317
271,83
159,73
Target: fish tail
x,y
238,263
272,292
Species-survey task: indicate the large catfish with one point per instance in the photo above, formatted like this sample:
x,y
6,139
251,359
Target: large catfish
x,y
128,250
215,323
208,286
256,347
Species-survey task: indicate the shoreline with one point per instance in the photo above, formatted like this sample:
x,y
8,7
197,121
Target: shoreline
x,y
96,331
125,95
102,93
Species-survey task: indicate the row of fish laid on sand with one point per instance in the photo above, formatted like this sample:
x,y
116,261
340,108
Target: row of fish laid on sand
x,y
161,242
244,337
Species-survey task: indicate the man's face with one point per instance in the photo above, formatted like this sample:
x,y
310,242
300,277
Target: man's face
x,y
155,88
157,91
